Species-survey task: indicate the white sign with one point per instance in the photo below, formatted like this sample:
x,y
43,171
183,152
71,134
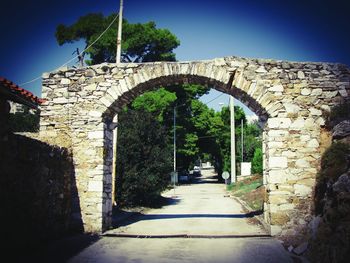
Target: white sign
x,y
246,168
225,175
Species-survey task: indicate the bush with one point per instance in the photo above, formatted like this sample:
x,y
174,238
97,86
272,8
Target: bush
x,y
257,162
338,114
334,163
144,160
23,122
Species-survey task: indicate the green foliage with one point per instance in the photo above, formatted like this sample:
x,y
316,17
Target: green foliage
x,y
243,188
144,159
339,113
334,160
222,130
158,102
334,163
24,122
185,99
332,240
250,190
140,42
257,162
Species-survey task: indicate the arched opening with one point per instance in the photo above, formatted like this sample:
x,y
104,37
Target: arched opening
x,y
170,80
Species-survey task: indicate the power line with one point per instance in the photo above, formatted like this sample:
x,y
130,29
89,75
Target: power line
x,y
69,61
214,98
186,103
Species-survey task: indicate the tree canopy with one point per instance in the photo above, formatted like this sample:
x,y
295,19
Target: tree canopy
x,y
144,160
140,42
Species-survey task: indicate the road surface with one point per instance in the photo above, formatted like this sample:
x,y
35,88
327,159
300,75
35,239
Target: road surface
x,y
201,223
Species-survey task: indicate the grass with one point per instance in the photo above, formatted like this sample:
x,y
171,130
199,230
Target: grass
x,y
250,190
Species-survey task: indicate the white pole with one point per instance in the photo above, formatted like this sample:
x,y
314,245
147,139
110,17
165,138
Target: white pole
x,y
233,150
119,37
242,137
114,162
174,148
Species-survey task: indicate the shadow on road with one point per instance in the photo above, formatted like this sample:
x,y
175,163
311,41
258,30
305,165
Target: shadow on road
x,y
55,251
121,216
206,180
137,217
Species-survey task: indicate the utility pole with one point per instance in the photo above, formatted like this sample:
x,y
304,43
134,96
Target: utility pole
x,y
233,150
174,147
114,127
242,137
119,37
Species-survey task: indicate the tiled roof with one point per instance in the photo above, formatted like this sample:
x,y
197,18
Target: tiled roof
x,y
17,94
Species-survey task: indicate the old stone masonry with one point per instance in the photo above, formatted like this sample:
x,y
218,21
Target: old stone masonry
x,y
290,98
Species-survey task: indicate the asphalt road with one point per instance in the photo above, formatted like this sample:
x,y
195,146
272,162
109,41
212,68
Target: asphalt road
x,y
201,223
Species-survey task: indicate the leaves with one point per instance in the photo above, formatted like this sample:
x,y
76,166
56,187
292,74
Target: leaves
x,y
140,42
144,158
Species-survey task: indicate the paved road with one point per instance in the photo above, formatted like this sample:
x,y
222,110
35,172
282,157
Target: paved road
x,y
223,232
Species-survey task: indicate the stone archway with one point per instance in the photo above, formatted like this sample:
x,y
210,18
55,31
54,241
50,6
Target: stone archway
x,y
289,96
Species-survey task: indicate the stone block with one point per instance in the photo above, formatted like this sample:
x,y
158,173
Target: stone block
x,y
279,218
302,163
91,87
313,143
95,186
301,75
286,207
298,124
61,100
94,113
305,91
277,176
302,190
291,108
315,112
316,92
65,81
276,88
278,162
277,200
277,133
278,123
96,135
274,144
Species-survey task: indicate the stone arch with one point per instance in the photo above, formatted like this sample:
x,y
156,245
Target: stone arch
x,y
289,96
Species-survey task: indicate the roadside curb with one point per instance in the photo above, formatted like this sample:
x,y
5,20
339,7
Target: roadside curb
x,y
246,207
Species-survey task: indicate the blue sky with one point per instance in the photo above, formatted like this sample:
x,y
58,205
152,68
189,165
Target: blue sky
x,y
307,30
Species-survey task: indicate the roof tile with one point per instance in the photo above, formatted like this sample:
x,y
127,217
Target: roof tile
x,y
25,94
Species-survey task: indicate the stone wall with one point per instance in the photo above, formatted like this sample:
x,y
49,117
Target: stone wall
x,y
290,98
37,186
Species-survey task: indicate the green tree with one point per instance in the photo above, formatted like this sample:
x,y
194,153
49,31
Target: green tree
x,y
257,162
140,42
162,102
158,102
24,121
144,159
